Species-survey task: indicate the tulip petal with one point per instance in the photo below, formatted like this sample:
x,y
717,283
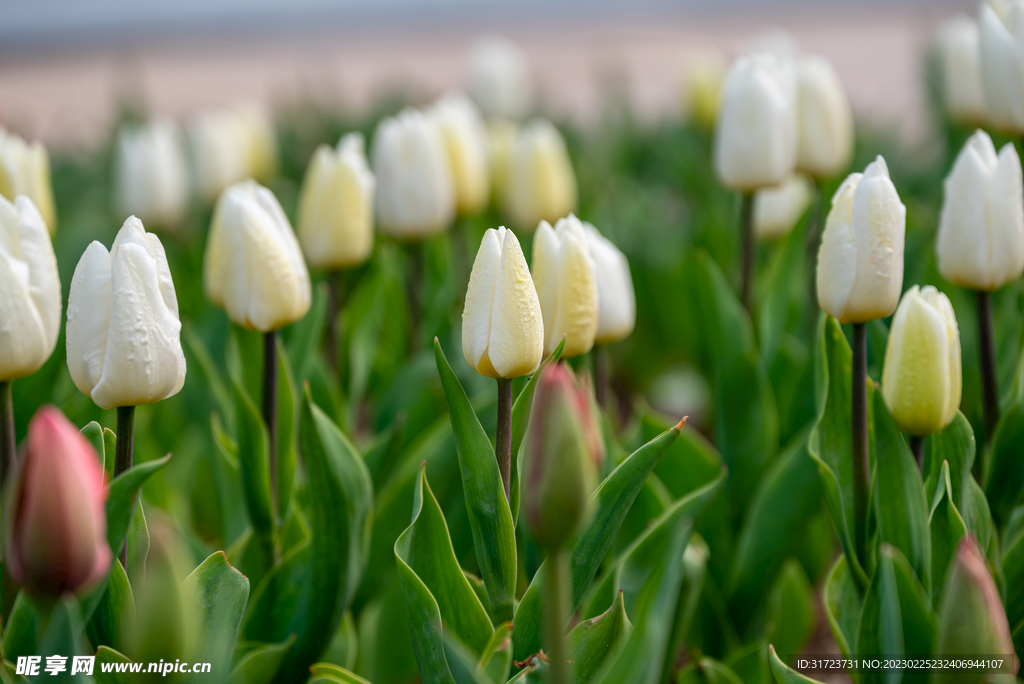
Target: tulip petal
x,y
89,317
1006,215
837,256
576,307
616,299
476,315
545,279
516,341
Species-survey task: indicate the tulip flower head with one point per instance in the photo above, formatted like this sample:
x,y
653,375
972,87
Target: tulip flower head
x,y
705,80
258,139
860,261
756,136
921,375
959,49
30,297
825,120
566,280
123,331
541,184
502,324
415,189
25,170
336,206
466,141
778,209
499,78
980,243
501,141
55,523
616,300
151,178
253,266
1002,64
219,152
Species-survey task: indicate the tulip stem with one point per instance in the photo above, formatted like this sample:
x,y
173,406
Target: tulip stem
x,y
270,408
8,444
123,453
503,446
986,348
747,228
917,448
556,616
333,318
601,363
859,434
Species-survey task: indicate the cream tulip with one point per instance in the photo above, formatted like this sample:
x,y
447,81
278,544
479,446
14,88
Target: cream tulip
x,y
921,378
30,297
541,183
25,170
825,121
566,280
1002,64
980,242
123,332
151,177
860,261
756,137
253,265
616,300
335,220
466,141
501,141
502,324
705,79
219,152
778,209
959,50
415,189
259,139
499,78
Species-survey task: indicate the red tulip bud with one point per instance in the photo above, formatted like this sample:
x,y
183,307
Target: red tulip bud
x,y
55,520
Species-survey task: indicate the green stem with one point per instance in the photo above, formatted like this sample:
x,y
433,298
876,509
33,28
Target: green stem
x,y
917,448
503,445
333,318
270,408
556,616
8,444
986,348
747,232
601,363
123,454
859,432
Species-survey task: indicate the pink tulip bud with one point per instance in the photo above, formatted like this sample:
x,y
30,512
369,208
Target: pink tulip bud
x,y
55,520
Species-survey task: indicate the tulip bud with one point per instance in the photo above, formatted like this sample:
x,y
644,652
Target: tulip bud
x,y
55,523
25,170
704,81
415,191
541,181
336,206
219,152
150,175
30,297
466,142
959,52
778,209
980,242
562,451
502,325
259,141
1002,65
123,332
501,141
499,78
616,301
566,281
825,120
756,136
253,266
972,620
921,379
860,261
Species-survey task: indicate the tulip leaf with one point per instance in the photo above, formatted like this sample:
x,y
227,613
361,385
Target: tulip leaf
x,y
490,518
23,628
138,541
689,463
260,664
254,467
108,656
955,445
790,609
901,511
109,447
218,594
121,497
783,674
593,641
842,606
750,663
1004,481
94,433
326,672
707,671
287,418
978,518
1013,571
837,511
112,619
63,637
946,528
496,660
303,337
212,374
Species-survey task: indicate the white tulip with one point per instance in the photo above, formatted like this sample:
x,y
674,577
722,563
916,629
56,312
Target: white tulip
x,y
220,152
1002,64
25,170
566,280
466,141
959,47
501,141
616,300
499,78
541,183
253,265
30,298
756,136
825,120
151,178
336,206
415,193
980,243
259,139
502,324
778,209
860,261
705,80
123,334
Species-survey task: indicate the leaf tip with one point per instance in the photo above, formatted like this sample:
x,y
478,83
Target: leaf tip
x,y
681,423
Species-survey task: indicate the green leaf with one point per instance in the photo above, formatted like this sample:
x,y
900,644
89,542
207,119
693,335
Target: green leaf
x,y
287,417
23,628
689,463
490,518
328,673
593,641
113,618
121,497
109,447
216,595
978,518
260,664
614,498
212,375
790,609
1013,570
955,445
108,656
842,606
303,336
901,511
94,433
1004,481
63,637
496,660
708,671
946,528
784,675
138,541
254,465
344,645
750,664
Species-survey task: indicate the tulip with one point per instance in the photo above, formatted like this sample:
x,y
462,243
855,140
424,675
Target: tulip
x,y
704,83
25,170
616,301
55,523
921,379
466,141
825,142
150,173
501,141
499,78
415,193
959,50
566,280
1002,65
219,152
259,141
541,184
778,209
